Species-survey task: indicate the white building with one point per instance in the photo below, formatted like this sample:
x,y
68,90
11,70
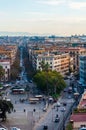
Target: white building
x,y
57,61
6,66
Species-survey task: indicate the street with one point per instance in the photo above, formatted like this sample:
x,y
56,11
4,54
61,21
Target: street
x,y
24,116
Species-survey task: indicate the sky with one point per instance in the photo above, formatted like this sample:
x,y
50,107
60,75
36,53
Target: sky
x,y
56,17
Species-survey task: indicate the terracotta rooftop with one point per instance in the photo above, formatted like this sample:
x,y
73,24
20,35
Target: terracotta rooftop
x,y
80,117
82,103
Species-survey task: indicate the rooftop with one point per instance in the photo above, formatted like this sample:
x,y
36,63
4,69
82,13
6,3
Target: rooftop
x,y
79,117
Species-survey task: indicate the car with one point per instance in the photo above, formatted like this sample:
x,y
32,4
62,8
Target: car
x,y
82,128
57,115
65,90
64,104
63,109
69,97
15,128
58,104
30,81
3,128
44,109
57,119
45,127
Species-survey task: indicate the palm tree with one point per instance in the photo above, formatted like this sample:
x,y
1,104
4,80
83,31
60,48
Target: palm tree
x,y
5,106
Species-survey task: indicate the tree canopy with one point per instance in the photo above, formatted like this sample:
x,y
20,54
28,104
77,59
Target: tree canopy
x,y
15,68
49,82
5,106
44,66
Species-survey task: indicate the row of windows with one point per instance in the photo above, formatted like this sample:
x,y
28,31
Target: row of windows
x,y
46,62
43,59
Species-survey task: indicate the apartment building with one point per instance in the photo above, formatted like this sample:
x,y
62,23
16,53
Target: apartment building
x,y
35,50
57,61
82,69
5,63
9,51
74,53
7,57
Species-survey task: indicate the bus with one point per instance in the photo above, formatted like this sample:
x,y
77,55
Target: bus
x,y
18,91
39,96
33,100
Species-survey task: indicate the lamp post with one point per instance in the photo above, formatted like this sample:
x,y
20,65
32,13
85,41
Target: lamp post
x,y
34,110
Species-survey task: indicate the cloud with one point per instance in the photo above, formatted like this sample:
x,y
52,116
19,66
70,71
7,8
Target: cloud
x,y
77,5
71,3
51,2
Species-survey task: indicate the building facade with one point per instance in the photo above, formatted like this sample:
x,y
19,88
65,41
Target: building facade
x,y
82,69
74,53
57,61
6,66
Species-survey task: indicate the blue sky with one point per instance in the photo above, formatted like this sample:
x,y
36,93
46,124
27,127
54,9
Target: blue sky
x,y
59,17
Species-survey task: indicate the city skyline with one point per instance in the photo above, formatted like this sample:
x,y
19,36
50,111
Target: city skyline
x,y
58,17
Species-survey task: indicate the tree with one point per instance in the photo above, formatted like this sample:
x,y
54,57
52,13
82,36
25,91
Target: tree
x,y
5,106
54,83
69,126
45,66
2,72
15,68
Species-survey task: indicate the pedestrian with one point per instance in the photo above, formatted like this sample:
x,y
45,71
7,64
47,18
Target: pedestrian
x,y
24,110
34,109
14,110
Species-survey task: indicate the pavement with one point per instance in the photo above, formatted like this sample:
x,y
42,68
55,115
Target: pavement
x,y
23,120
27,120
